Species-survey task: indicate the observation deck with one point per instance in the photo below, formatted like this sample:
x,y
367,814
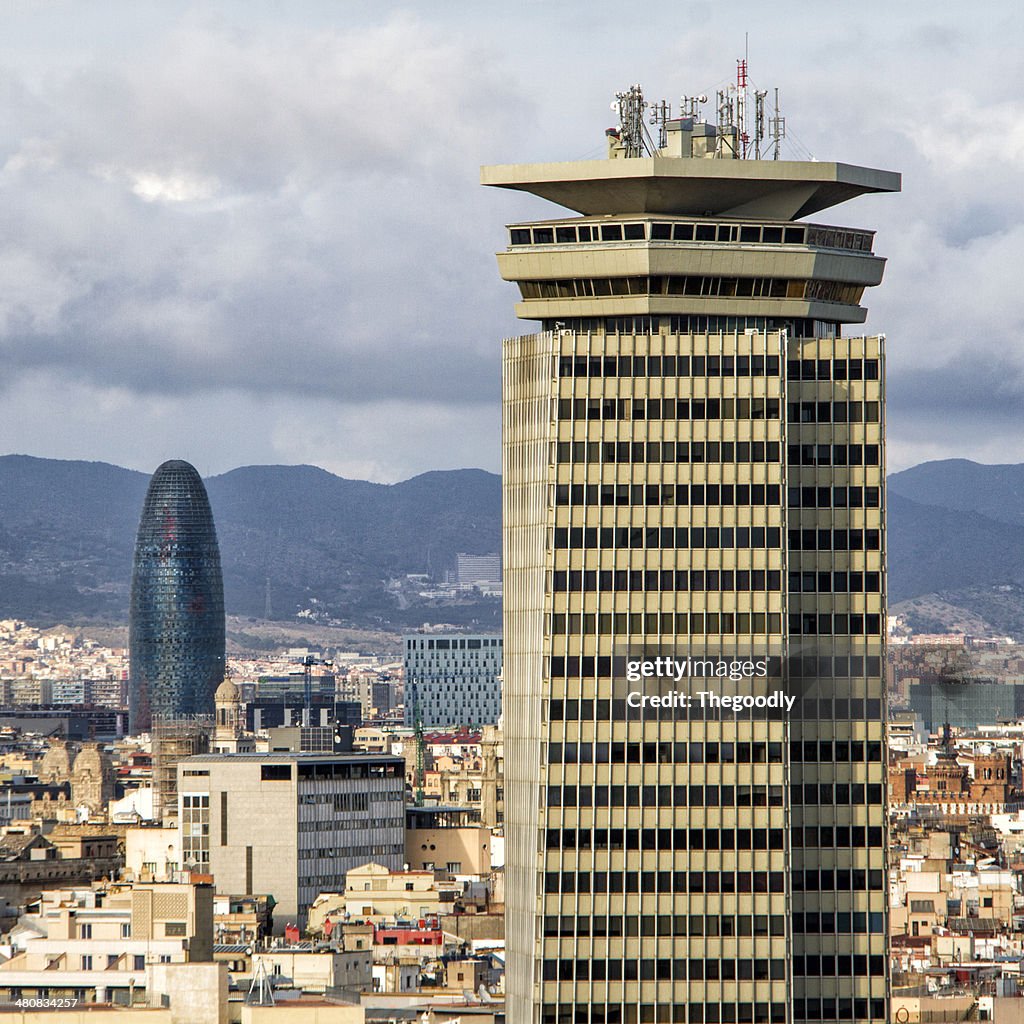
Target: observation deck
x,y
688,226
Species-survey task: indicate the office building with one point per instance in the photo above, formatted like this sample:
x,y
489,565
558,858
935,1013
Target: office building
x,y
452,680
693,461
966,704
176,624
471,570
290,824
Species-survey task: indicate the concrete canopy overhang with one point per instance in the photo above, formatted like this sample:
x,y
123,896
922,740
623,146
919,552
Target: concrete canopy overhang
x,y
671,186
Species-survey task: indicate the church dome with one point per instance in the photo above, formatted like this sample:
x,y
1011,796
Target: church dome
x,y
227,692
91,759
56,763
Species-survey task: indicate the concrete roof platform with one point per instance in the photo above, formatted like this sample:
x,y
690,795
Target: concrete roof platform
x,y
675,186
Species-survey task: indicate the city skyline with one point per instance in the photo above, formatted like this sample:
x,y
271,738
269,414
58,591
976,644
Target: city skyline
x,y
210,214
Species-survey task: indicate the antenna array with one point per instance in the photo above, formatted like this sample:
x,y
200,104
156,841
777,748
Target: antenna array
x,y
633,136
733,139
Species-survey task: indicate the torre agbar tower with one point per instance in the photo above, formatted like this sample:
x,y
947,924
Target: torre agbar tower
x,y
694,461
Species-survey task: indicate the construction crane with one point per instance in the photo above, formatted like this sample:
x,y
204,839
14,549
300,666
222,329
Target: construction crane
x,y
421,755
307,685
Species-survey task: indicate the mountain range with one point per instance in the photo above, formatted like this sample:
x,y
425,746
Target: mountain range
x,y
340,550
309,541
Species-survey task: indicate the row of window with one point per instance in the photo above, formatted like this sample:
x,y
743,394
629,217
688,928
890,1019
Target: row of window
x,y
666,623
713,623
453,643
667,494
695,285
838,793
661,752
625,581
695,323
715,408
680,882
712,883
665,970
632,925
834,497
367,850
111,961
324,822
826,837
714,1013
842,497
589,581
834,540
808,709
838,624
577,537
698,752
663,1013
834,1009
810,667
674,796
827,879
832,369
839,880
670,796
638,580
832,454
827,751
843,965
668,408
690,231
329,770
676,839
798,667
838,368
838,455
669,366
666,451
832,412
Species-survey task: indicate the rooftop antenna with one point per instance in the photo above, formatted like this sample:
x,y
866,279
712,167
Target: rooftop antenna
x,y
759,121
261,991
777,129
633,134
690,106
660,114
726,102
741,108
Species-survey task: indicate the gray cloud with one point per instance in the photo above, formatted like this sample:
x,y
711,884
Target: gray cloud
x,y
256,217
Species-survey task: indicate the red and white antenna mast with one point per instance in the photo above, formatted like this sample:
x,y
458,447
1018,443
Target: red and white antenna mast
x,y
741,106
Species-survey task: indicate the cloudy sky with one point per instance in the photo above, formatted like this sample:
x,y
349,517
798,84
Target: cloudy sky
x,y
253,233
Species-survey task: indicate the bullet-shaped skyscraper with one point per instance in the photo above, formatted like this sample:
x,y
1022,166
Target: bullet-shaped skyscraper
x,y
693,459
176,627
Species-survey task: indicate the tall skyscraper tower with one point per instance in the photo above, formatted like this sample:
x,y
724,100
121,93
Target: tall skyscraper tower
x,y
693,467
176,627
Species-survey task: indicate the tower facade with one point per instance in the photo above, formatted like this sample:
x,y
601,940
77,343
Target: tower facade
x,y
693,459
176,626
